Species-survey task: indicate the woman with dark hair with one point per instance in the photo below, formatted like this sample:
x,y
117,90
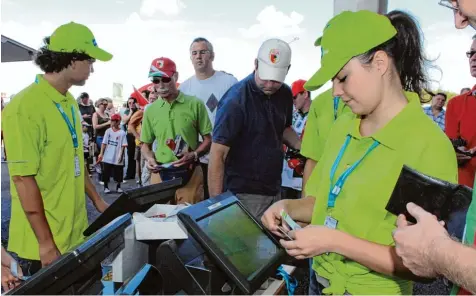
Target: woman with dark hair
x,y
131,144
376,65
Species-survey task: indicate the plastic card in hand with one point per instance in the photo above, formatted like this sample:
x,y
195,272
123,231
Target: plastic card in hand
x,y
293,225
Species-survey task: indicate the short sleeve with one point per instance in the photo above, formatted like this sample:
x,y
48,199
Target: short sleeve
x,y
204,121
22,137
311,145
228,122
146,135
105,139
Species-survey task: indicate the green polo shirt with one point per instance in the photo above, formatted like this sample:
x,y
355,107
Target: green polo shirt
x,y
39,143
410,138
186,116
320,120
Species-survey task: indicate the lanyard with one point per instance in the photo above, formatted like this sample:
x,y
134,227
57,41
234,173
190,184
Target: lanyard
x,y
291,282
71,127
336,105
337,187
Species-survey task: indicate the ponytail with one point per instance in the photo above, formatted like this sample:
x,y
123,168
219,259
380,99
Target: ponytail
x,y
406,51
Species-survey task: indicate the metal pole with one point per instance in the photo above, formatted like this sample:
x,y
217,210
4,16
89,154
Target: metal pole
x,y
379,6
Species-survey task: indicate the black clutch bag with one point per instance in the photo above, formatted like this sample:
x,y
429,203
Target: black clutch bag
x,y
436,196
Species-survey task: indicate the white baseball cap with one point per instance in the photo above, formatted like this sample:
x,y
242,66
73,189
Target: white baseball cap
x,y
274,58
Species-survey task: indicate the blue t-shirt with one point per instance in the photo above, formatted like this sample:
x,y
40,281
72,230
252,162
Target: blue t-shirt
x,y
252,123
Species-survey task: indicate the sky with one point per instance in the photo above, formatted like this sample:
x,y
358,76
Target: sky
x,y
137,31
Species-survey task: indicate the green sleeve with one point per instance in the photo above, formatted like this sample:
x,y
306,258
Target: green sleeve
x,y
22,136
147,134
205,125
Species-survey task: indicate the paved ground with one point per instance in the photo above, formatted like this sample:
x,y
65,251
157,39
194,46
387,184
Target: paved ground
x,y
302,274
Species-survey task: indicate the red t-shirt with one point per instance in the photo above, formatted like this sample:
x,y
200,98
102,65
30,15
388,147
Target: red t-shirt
x,y
461,122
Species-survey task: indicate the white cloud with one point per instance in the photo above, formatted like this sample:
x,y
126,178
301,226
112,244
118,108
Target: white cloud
x,y
272,22
168,7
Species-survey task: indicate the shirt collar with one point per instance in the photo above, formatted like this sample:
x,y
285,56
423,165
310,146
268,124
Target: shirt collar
x,y
180,99
50,91
392,133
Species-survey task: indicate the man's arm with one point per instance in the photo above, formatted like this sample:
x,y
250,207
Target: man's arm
x,y
32,204
204,146
291,139
451,119
216,168
93,195
455,262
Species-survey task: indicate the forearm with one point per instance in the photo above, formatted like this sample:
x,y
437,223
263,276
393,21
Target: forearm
x,y
216,171
6,257
90,189
291,139
103,147
308,168
102,125
379,258
126,118
455,262
32,204
204,147
146,150
300,209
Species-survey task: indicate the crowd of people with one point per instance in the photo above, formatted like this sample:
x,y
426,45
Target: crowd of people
x,y
331,163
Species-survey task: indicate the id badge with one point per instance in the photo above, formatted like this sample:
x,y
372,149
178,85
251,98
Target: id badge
x,y
330,222
77,168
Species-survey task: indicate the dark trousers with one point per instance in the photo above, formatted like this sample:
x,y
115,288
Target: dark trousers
x,y
29,267
131,150
116,171
206,194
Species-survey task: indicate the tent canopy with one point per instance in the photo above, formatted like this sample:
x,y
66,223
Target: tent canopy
x,y
14,51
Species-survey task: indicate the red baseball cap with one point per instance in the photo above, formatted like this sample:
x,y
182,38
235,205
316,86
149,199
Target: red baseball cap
x,y
116,117
162,67
298,87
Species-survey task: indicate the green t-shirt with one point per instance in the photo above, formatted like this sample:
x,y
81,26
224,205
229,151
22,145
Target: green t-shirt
x,y
39,143
186,116
411,139
320,120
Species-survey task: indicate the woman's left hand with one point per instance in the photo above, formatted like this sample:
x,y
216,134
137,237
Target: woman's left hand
x,y
310,241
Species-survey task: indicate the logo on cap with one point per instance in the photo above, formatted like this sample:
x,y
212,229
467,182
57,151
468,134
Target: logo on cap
x,y
95,43
160,63
323,52
274,56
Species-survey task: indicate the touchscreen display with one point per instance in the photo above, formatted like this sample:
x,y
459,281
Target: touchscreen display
x,y
240,239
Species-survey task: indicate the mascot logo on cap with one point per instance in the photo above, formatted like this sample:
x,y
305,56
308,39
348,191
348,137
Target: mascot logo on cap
x,y
274,56
160,64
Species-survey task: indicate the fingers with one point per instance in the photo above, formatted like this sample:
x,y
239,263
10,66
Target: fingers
x,y
402,221
417,212
288,245
292,234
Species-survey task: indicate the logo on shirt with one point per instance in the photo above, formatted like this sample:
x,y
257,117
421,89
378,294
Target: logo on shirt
x,y
274,55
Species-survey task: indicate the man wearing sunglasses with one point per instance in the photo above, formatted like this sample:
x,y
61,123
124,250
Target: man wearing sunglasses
x,y
426,248
175,115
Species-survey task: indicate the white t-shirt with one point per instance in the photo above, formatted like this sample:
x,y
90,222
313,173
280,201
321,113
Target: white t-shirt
x,y
288,180
209,91
114,140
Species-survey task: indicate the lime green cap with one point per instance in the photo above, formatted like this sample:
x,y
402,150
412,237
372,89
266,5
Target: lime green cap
x,y
347,35
76,37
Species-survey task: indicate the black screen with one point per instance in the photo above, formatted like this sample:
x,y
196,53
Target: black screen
x,y
240,239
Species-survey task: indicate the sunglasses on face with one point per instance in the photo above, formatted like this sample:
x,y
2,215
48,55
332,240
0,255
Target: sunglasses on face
x,y
157,80
202,52
470,53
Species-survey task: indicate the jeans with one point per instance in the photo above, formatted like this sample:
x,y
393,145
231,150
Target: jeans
x,y
314,287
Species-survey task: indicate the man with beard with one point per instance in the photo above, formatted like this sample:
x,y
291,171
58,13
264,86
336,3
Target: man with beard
x,y
254,118
175,115
436,111
43,135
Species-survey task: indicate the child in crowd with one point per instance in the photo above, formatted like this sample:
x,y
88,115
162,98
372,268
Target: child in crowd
x,y
86,143
112,153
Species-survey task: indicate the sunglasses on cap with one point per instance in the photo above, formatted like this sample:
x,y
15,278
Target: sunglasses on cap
x,y
157,80
470,53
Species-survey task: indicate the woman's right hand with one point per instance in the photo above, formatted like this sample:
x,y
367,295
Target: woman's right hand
x,y
271,219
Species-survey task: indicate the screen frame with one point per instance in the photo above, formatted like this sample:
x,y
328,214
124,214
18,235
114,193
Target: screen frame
x,y
190,217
